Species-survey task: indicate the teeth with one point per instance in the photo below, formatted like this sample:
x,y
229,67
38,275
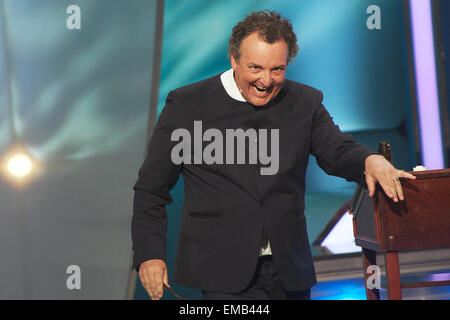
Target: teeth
x,y
261,89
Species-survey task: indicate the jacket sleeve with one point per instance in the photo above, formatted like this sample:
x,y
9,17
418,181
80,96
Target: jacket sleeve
x,y
336,153
157,176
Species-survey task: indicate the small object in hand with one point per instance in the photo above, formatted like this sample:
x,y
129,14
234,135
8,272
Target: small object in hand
x,y
167,287
396,179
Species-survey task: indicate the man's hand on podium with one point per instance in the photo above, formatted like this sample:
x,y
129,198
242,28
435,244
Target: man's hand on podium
x,y
378,169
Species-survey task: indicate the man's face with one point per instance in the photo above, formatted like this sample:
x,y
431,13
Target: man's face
x,y
260,71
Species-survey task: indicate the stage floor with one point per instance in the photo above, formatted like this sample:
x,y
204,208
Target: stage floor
x,y
353,289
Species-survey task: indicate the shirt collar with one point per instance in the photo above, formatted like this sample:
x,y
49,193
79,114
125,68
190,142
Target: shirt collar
x,y
230,86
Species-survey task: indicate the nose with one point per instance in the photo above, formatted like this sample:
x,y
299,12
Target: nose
x,y
266,78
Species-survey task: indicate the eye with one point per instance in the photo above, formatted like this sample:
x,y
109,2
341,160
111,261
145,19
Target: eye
x,y
278,70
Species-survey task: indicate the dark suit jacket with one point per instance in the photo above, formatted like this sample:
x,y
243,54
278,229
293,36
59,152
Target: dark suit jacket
x,y
226,206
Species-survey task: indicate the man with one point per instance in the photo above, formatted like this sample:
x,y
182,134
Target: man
x,y
243,233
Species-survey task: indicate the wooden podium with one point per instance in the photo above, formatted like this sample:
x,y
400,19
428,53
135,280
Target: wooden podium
x,y
421,221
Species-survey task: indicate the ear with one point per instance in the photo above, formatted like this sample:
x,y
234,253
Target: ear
x,y
233,61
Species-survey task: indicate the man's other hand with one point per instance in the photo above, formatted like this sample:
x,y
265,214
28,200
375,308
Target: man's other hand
x,y
153,273
378,169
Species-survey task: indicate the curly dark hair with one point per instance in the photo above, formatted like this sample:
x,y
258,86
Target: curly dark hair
x,y
270,26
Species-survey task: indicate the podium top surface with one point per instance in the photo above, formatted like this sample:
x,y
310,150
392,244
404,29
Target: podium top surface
x,y
429,174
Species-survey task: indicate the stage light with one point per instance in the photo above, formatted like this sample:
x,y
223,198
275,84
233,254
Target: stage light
x,y
426,83
19,165
340,238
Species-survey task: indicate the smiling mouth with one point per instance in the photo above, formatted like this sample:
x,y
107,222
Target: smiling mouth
x,y
260,89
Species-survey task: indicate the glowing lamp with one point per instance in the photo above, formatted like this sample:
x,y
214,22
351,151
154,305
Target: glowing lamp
x,y
19,165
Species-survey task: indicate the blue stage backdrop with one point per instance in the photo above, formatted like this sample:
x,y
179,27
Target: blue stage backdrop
x,y
75,93
363,73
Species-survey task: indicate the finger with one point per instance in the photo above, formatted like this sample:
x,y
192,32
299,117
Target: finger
x,y
158,289
407,175
399,189
386,185
389,187
153,286
394,191
149,287
393,186
159,284
145,282
370,185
